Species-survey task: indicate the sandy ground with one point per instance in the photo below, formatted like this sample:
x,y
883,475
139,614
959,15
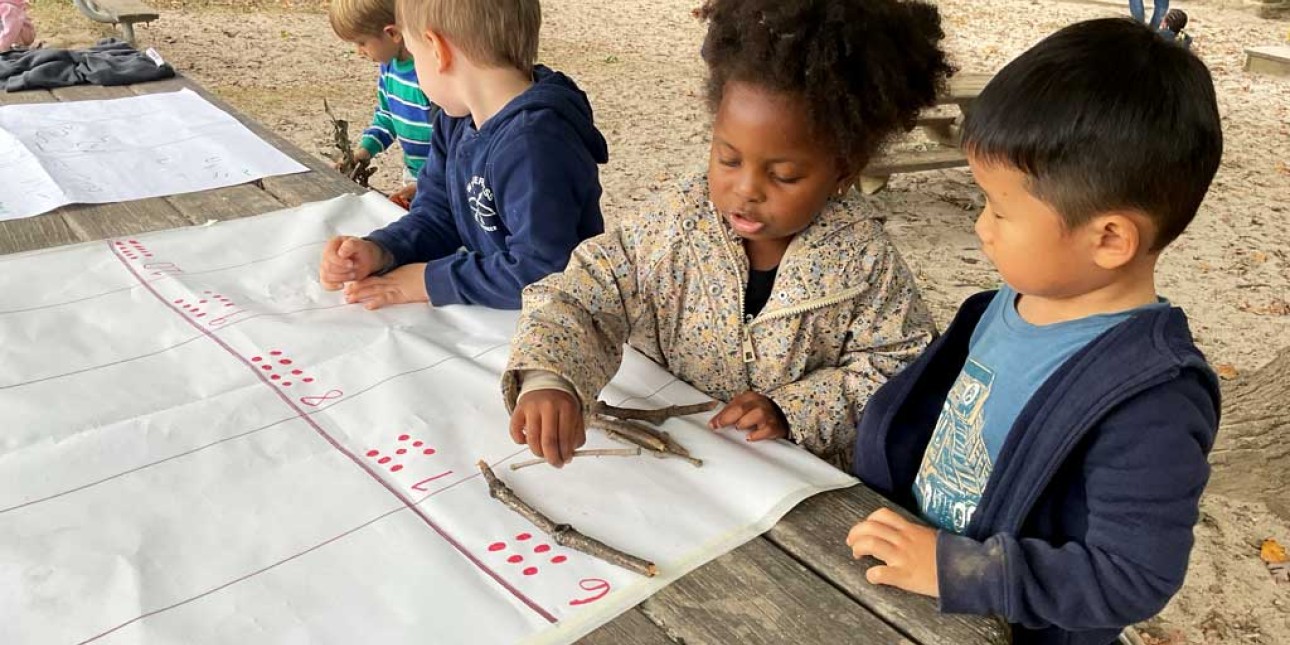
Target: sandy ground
x,y
638,60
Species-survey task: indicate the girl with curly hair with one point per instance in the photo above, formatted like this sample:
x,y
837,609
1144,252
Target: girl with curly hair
x,y
762,284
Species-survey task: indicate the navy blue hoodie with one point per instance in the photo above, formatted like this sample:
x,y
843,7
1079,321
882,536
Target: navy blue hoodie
x,y
503,206
1085,525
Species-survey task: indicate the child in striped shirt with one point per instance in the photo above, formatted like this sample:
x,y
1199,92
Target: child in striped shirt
x,y
403,112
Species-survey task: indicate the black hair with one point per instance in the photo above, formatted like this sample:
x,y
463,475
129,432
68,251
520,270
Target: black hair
x,y
1104,115
1176,20
865,68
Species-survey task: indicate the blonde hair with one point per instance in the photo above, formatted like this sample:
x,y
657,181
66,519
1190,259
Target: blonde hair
x,y
351,19
503,33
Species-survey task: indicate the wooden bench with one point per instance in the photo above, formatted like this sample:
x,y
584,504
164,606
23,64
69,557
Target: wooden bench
x,y
941,127
118,12
1268,60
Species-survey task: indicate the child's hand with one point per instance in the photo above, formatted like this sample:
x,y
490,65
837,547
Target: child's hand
x,y
550,422
907,550
754,412
360,155
402,285
346,259
403,196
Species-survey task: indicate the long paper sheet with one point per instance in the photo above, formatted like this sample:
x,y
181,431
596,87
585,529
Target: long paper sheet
x,y
200,445
52,154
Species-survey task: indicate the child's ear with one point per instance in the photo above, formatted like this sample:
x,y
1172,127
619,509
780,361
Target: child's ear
x,y
440,49
1117,237
847,176
392,32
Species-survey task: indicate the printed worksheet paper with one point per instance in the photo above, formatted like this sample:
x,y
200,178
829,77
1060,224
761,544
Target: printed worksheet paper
x,y
96,152
201,445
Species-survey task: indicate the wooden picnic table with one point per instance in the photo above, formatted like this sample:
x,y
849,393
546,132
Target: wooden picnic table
x,y
796,583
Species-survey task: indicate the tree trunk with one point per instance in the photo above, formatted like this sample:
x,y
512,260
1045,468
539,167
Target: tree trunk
x,y
1251,457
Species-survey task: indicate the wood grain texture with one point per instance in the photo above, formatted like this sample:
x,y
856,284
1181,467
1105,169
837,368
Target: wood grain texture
x,y
758,594
815,534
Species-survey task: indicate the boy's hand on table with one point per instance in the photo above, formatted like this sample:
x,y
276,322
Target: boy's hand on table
x,y
403,196
550,422
907,550
400,286
347,258
753,412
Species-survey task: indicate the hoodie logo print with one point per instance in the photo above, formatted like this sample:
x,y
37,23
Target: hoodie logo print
x,y
480,198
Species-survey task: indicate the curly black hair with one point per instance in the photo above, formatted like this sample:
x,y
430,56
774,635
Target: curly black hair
x,y
864,67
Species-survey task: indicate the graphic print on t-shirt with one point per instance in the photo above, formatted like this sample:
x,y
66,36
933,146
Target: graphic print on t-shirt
x,y
957,463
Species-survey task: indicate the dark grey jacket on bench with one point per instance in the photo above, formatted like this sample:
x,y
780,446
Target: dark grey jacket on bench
x,y
110,62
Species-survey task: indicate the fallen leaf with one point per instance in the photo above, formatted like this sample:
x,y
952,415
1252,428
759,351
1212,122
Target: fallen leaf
x,y
1272,552
1259,257
1226,372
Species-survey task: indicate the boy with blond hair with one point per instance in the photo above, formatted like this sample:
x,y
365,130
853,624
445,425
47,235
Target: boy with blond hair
x,y
403,113
1056,435
511,183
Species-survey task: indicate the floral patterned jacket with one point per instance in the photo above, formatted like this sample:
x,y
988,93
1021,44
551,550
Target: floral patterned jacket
x,y
843,317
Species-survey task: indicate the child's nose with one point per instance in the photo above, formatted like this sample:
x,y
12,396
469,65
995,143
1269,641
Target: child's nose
x,y
748,188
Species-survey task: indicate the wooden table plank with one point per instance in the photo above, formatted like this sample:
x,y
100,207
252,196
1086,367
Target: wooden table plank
x,y
291,190
758,594
48,229
631,628
815,533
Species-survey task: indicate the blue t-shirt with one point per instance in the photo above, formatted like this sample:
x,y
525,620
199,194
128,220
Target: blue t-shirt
x,y
1008,359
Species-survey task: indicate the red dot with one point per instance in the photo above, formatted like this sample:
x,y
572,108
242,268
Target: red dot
x,y
373,453
396,468
418,444
229,305
206,291
542,548
403,437
523,536
200,315
120,243
530,571
274,376
256,359
428,451
401,451
515,559
201,302
134,241
266,367
179,301
497,546
558,559
308,379
383,460
297,372
286,384
147,255
275,353
285,361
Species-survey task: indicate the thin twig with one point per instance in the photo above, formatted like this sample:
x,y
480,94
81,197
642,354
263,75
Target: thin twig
x,y
563,534
590,452
656,416
640,435
670,447
351,167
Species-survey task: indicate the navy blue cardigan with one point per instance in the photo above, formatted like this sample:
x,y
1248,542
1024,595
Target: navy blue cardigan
x,y
1085,525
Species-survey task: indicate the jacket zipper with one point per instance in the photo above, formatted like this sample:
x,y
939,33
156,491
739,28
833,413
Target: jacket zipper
x,y
749,349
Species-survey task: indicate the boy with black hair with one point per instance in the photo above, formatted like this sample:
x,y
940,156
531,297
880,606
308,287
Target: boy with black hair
x,y
1056,435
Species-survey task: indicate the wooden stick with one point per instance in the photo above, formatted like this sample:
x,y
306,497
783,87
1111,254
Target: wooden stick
x,y
357,171
670,447
591,452
654,417
640,435
563,534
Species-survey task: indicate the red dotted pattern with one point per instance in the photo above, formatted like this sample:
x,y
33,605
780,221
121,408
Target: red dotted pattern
x,y
517,558
276,357
374,453
132,249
